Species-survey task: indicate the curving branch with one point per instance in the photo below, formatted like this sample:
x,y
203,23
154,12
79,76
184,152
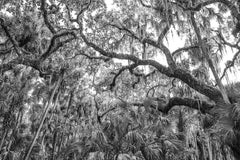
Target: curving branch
x,y
156,86
163,33
55,43
161,46
151,42
178,73
45,17
130,68
148,6
123,28
145,5
106,112
183,49
224,41
85,8
105,59
203,106
230,64
197,104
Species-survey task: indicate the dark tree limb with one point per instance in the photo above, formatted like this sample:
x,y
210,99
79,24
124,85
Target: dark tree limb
x,y
224,41
203,106
45,17
106,112
179,73
156,86
55,43
230,64
145,5
130,68
183,49
148,6
197,104
105,59
123,28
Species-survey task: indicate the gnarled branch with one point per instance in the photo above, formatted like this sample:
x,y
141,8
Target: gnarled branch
x,y
45,17
56,43
230,64
183,49
179,73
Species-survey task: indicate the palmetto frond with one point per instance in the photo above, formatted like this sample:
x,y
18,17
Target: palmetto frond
x,y
134,138
151,152
81,149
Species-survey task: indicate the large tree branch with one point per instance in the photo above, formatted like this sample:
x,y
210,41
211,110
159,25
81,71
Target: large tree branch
x,y
203,106
197,104
179,73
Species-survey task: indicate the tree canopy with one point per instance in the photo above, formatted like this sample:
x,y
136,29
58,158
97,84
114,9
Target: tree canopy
x,y
131,79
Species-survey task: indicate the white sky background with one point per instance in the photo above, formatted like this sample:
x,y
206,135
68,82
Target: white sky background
x,y
175,42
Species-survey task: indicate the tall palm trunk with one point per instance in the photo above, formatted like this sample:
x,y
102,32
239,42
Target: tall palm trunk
x,y
55,135
43,118
209,148
60,145
4,135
